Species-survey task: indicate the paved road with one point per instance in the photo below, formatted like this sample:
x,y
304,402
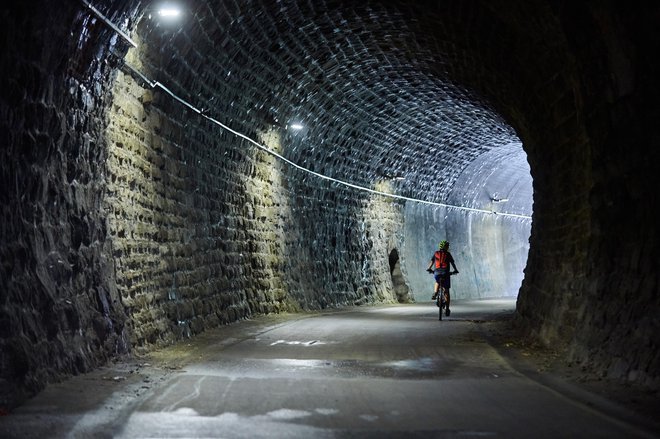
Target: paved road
x,y
376,372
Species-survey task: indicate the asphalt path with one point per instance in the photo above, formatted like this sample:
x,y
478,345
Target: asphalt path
x,y
372,372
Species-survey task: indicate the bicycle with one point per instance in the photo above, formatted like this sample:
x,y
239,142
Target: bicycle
x,y
441,297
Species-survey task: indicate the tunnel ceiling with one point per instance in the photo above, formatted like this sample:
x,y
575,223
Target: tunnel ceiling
x,y
376,85
498,180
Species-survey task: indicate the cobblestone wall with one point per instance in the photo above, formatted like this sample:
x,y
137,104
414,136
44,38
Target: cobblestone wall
x,y
589,284
60,311
207,229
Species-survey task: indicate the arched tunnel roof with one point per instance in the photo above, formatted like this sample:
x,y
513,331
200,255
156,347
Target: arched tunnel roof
x,y
370,83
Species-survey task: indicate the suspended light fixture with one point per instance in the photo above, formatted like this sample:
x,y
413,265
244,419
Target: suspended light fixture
x,y
397,177
166,13
169,12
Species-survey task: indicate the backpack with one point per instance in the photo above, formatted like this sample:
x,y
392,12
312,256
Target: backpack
x,y
441,262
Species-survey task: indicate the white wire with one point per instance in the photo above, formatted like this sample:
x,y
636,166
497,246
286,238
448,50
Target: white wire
x,y
325,177
155,84
109,23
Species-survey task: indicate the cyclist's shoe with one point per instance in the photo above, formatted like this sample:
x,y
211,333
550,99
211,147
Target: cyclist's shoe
x,y
447,312
435,296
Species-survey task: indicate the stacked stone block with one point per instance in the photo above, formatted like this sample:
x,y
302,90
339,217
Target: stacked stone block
x,y
60,312
209,229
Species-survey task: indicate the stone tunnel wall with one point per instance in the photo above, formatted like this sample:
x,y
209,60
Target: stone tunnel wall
x,y
576,81
616,311
60,310
206,228
490,251
128,221
583,109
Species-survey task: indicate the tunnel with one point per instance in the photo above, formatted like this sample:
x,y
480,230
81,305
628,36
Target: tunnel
x,y
163,176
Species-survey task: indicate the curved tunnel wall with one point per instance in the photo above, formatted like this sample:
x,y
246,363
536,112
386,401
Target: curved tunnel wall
x,y
208,229
78,227
490,249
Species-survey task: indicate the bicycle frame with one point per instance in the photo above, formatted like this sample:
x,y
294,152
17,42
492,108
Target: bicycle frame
x,y
441,298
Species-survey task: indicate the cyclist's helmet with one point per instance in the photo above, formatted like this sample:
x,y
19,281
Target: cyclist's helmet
x,y
444,245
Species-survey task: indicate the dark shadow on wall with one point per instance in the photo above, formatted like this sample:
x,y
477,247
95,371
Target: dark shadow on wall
x,y
401,290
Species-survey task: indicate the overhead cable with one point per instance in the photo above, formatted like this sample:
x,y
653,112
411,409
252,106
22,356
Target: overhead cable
x,y
156,84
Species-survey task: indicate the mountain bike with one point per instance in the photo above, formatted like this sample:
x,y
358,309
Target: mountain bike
x,y
441,298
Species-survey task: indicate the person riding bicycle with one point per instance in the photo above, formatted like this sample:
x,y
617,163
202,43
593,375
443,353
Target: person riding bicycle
x,y
439,266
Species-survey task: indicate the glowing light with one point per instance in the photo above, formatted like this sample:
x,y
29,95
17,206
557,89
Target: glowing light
x,y
296,126
169,12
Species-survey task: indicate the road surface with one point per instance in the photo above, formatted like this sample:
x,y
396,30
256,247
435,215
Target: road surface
x,y
372,372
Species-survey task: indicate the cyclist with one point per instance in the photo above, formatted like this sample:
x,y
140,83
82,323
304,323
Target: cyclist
x,y
439,266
